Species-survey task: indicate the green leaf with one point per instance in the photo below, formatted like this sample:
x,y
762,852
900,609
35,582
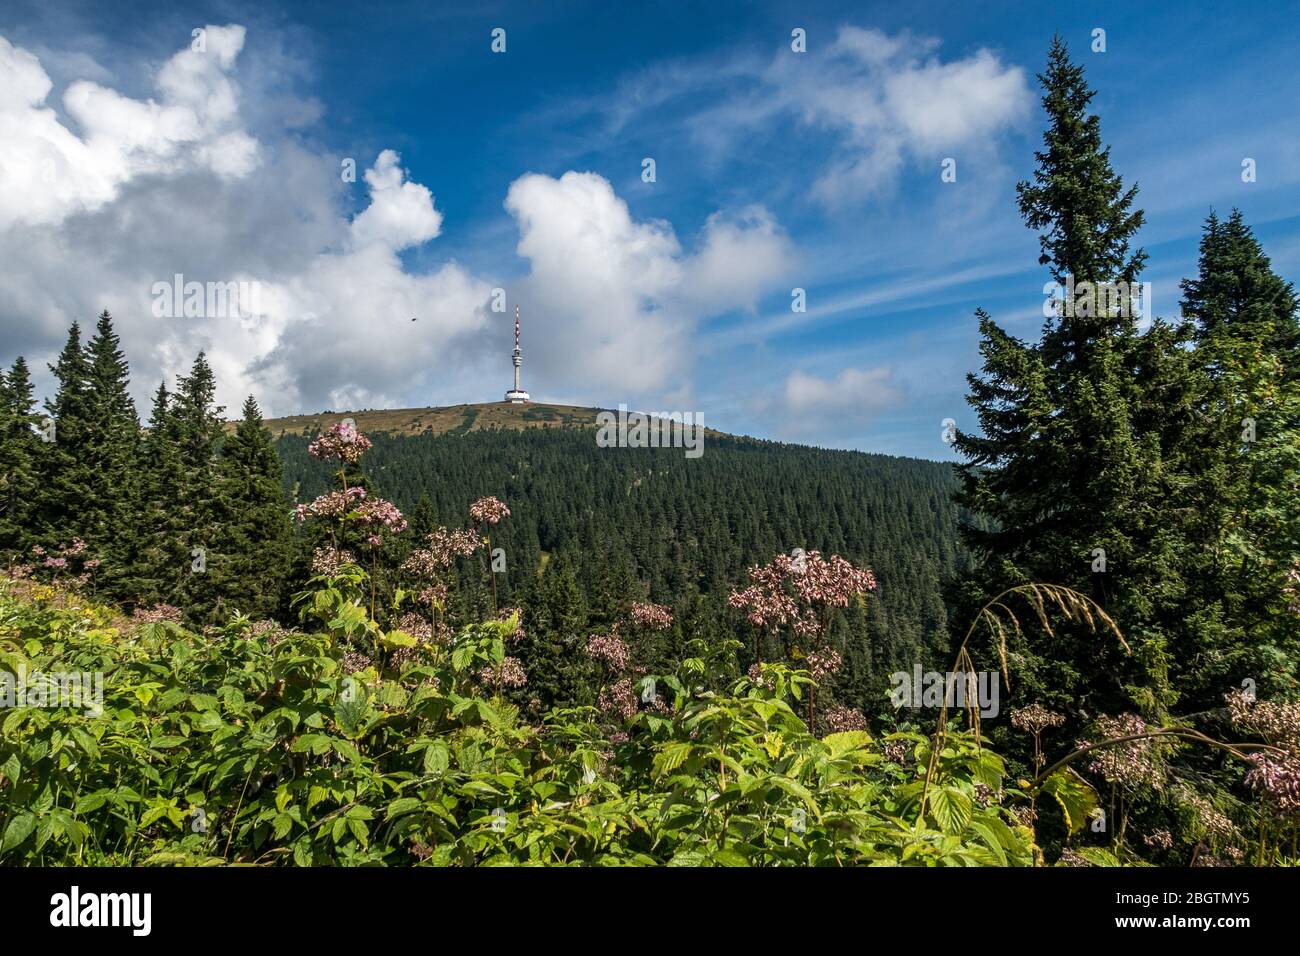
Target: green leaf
x,y
283,824
403,805
951,809
207,721
315,744
398,639
1099,857
671,756
729,858
12,769
1075,796
349,715
846,742
792,787
19,829
436,757
991,839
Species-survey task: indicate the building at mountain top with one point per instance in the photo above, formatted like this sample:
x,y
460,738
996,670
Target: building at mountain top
x,y
516,395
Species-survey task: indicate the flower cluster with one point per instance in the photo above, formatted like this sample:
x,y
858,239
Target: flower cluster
x,y
383,515
610,650
1035,719
354,661
432,594
1276,775
1159,840
824,662
1277,723
839,719
65,559
444,547
1215,824
509,673
895,751
1130,764
517,613
619,699
1292,589
336,504
1025,816
1277,778
652,617
416,626
488,510
341,441
789,590
330,561
265,629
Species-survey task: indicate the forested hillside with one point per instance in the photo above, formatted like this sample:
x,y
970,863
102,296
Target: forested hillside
x,y
687,529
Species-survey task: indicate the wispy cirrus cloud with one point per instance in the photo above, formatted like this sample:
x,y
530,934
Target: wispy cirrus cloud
x,y
873,99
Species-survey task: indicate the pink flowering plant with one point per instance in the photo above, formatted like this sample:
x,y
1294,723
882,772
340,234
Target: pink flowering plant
x,y
485,513
625,684
68,565
349,512
794,597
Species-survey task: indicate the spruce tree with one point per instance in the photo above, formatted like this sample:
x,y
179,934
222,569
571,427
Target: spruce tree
x,y
65,494
19,459
556,625
193,559
255,536
1244,540
158,565
110,524
1066,472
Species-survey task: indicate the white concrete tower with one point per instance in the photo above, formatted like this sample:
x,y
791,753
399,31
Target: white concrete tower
x,y
517,396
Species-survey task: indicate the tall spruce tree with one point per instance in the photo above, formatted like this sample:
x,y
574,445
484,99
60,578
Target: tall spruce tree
x,y
190,565
157,565
110,524
1245,536
19,459
65,494
1066,468
255,535
556,625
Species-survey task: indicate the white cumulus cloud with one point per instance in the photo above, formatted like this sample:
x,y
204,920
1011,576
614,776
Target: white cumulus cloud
x,y
618,300
49,172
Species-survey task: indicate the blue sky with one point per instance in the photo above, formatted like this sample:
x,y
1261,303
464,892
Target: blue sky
x,y
522,171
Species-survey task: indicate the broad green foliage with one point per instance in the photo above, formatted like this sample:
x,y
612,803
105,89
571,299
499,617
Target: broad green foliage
x,y
246,747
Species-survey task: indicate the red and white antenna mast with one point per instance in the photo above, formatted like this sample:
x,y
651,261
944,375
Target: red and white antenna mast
x,y
517,395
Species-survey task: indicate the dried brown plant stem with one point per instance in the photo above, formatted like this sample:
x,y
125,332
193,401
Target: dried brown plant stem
x,y
1001,620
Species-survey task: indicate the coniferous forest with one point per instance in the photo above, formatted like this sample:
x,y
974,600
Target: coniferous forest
x,y
517,646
